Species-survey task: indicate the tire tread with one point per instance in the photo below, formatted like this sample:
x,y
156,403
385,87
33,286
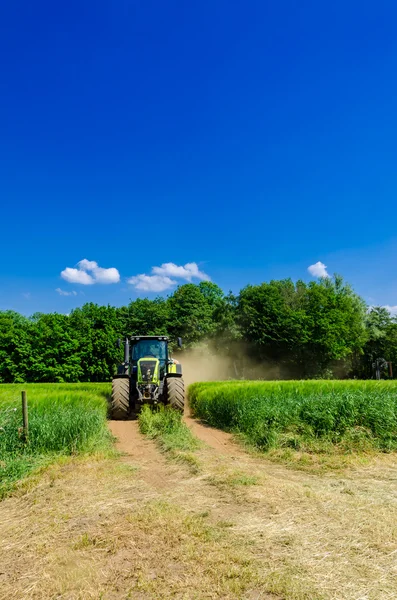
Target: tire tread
x,y
120,404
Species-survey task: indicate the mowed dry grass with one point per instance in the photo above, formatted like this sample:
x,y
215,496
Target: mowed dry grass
x,y
235,526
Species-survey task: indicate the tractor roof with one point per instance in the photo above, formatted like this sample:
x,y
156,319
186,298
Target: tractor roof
x,y
136,338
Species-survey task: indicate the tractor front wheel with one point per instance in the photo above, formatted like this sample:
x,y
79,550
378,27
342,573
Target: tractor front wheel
x,y
176,393
120,398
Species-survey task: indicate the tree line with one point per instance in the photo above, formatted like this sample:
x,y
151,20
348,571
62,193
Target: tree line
x,y
275,329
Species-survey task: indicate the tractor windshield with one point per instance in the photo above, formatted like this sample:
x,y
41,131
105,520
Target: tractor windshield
x,y
155,348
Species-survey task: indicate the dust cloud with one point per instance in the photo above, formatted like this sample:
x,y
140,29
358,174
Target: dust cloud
x,y
206,363
203,364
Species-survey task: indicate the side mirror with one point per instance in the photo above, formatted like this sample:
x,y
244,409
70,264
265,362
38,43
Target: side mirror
x,y
118,343
179,342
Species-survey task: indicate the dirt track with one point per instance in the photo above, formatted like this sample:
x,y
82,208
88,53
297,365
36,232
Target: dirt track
x,y
131,443
219,440
235,526
154,468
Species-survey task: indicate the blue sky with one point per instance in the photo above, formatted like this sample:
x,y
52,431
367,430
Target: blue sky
x,y
251,139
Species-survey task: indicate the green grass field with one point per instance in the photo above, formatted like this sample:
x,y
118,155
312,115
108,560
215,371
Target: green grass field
x,y
312,416
64,419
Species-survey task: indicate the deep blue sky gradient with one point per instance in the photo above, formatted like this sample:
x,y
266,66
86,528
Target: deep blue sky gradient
x,y
254,138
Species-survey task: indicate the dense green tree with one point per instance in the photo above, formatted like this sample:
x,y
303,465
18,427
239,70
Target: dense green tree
x,y
55,353
97,329
190,313
227,333
15,347
381,329
272,320
145,317
212,293
303,327
336,323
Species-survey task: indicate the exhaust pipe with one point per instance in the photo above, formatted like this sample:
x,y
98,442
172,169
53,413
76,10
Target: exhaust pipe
x,y
126,351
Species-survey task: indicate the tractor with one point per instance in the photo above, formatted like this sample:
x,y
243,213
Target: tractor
x,y
148,375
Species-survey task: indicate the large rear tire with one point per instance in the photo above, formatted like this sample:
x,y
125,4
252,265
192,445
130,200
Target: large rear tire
x,y
120,399
176,393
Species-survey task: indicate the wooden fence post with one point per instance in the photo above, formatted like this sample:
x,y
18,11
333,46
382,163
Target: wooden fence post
x,y
25,416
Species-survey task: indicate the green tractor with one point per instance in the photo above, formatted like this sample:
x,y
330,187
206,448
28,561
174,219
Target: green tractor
x,y
148,375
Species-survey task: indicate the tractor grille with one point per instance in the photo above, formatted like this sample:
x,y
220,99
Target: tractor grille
x,y
145,365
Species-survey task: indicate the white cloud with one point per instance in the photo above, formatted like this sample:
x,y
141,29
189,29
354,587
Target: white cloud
x,y
96,274
63,293
163,278
152,283
87,265
392,309
77,276
106,275
27,295
187,272
319,269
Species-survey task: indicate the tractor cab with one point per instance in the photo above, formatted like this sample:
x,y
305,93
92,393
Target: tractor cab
x,y
149,355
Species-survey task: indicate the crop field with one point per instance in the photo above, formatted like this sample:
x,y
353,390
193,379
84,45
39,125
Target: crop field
x,y
312,416
64,419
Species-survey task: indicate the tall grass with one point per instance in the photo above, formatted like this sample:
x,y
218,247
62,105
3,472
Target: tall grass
x,y
166,426
64,419
305,415
174,437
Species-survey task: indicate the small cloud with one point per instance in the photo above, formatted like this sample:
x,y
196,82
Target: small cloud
x,y
164,277
151,283
106,275
188,272
76,276
96,274
392,309
63,293
319,269
27,295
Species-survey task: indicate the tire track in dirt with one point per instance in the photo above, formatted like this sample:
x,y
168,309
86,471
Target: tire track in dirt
x,y
138,451
217,439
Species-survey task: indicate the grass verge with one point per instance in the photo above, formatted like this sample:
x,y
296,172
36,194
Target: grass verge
x,y
174,437
64,420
